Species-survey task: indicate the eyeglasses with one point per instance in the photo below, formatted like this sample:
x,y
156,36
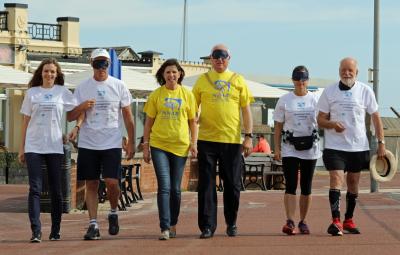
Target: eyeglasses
x,y
100,64
300,76
220,54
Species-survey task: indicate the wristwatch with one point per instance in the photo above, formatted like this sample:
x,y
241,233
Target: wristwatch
x,y
381,141
248,135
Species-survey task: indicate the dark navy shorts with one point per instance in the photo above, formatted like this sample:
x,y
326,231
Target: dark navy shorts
x,y
344,160
93,163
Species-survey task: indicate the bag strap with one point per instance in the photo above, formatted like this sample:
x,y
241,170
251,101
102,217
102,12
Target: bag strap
x,y
233,76
210,81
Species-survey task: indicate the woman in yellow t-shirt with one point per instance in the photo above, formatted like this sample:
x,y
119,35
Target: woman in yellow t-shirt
x,y
170,114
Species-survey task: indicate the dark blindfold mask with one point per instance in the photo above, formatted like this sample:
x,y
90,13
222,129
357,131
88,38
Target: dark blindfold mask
x,y
217,54
100,64
300,76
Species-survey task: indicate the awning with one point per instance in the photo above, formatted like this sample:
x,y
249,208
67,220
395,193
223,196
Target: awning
x,y
258,90
13,78
134,80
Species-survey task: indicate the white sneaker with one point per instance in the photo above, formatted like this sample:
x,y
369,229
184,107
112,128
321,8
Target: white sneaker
x,y
164,235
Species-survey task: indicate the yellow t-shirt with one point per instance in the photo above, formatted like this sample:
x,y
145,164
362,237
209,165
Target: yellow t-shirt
x,y
220,104
171,110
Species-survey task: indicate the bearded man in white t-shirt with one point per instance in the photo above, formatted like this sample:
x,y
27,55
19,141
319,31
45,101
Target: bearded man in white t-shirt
x,y
105,101
342,109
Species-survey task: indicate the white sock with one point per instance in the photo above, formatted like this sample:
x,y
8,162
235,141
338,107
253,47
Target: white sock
x,y
94,222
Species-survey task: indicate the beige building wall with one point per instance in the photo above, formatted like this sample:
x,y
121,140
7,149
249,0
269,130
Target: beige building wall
x,y
69,44
14,124
191,68
17,35
18,38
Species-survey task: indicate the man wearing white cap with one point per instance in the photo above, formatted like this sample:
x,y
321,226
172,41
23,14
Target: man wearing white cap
x,y
342,110
105,101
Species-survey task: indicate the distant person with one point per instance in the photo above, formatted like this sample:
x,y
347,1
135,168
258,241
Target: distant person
x,y
222,95
106,103
170,115
42,141
262,145
342,111
296,144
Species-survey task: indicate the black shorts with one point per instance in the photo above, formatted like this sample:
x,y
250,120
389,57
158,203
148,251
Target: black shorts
x,y
92,163
344,160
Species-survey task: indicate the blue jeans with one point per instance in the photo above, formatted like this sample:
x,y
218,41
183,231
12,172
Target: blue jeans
x,y
169,170
35,172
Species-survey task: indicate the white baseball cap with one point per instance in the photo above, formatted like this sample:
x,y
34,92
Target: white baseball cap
x,y
100,53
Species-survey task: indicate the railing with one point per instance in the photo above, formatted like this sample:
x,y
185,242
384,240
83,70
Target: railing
x,y
3,21
43,31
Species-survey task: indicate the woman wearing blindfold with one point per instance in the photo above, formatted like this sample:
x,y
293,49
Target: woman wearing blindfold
x,y
296,144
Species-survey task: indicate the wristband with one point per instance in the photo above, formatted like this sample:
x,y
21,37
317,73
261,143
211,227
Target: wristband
x,y
79,128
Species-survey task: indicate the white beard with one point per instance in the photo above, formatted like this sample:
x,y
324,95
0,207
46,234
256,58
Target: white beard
x,y
349,82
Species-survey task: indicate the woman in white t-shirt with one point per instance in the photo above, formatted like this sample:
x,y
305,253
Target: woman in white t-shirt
x,y
296,144
42,142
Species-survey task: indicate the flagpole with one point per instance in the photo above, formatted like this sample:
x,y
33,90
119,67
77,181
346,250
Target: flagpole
x,y
184,39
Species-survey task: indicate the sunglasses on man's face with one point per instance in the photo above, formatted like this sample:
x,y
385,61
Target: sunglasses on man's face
x,y
100,64
220,54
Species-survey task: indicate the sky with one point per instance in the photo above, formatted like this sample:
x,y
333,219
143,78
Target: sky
x,y
265,37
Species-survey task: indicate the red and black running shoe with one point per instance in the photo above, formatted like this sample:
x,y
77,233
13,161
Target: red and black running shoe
x,y
350,227
289,228
336,228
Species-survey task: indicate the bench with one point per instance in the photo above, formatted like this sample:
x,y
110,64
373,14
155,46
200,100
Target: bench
x,y
129,176
261,170
127,195
220,185
102,192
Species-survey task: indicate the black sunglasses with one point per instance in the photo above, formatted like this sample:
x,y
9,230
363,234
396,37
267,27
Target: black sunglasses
x,y
217,54
300,76
100,64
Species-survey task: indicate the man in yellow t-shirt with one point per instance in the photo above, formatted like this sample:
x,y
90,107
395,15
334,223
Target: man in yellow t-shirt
x,y
221,95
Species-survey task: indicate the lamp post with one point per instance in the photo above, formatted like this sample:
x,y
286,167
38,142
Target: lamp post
x,y
184,31
375,72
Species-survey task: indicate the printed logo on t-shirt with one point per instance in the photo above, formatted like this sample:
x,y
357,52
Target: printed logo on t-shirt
x,y
347,95
301,105
47,97
223,88
173,106
101,93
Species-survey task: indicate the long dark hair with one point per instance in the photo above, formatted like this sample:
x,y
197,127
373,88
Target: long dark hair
x,y
169,62
37,79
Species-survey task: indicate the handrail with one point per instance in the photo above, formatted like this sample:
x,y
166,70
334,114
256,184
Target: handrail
x,y
44,31
3,21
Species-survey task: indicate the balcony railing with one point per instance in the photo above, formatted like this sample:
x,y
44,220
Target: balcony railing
x,y
43,31
3,21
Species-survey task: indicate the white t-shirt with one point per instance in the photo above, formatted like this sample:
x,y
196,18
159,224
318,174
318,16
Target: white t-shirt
x,y
298,115
46,107
348,107
102,127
